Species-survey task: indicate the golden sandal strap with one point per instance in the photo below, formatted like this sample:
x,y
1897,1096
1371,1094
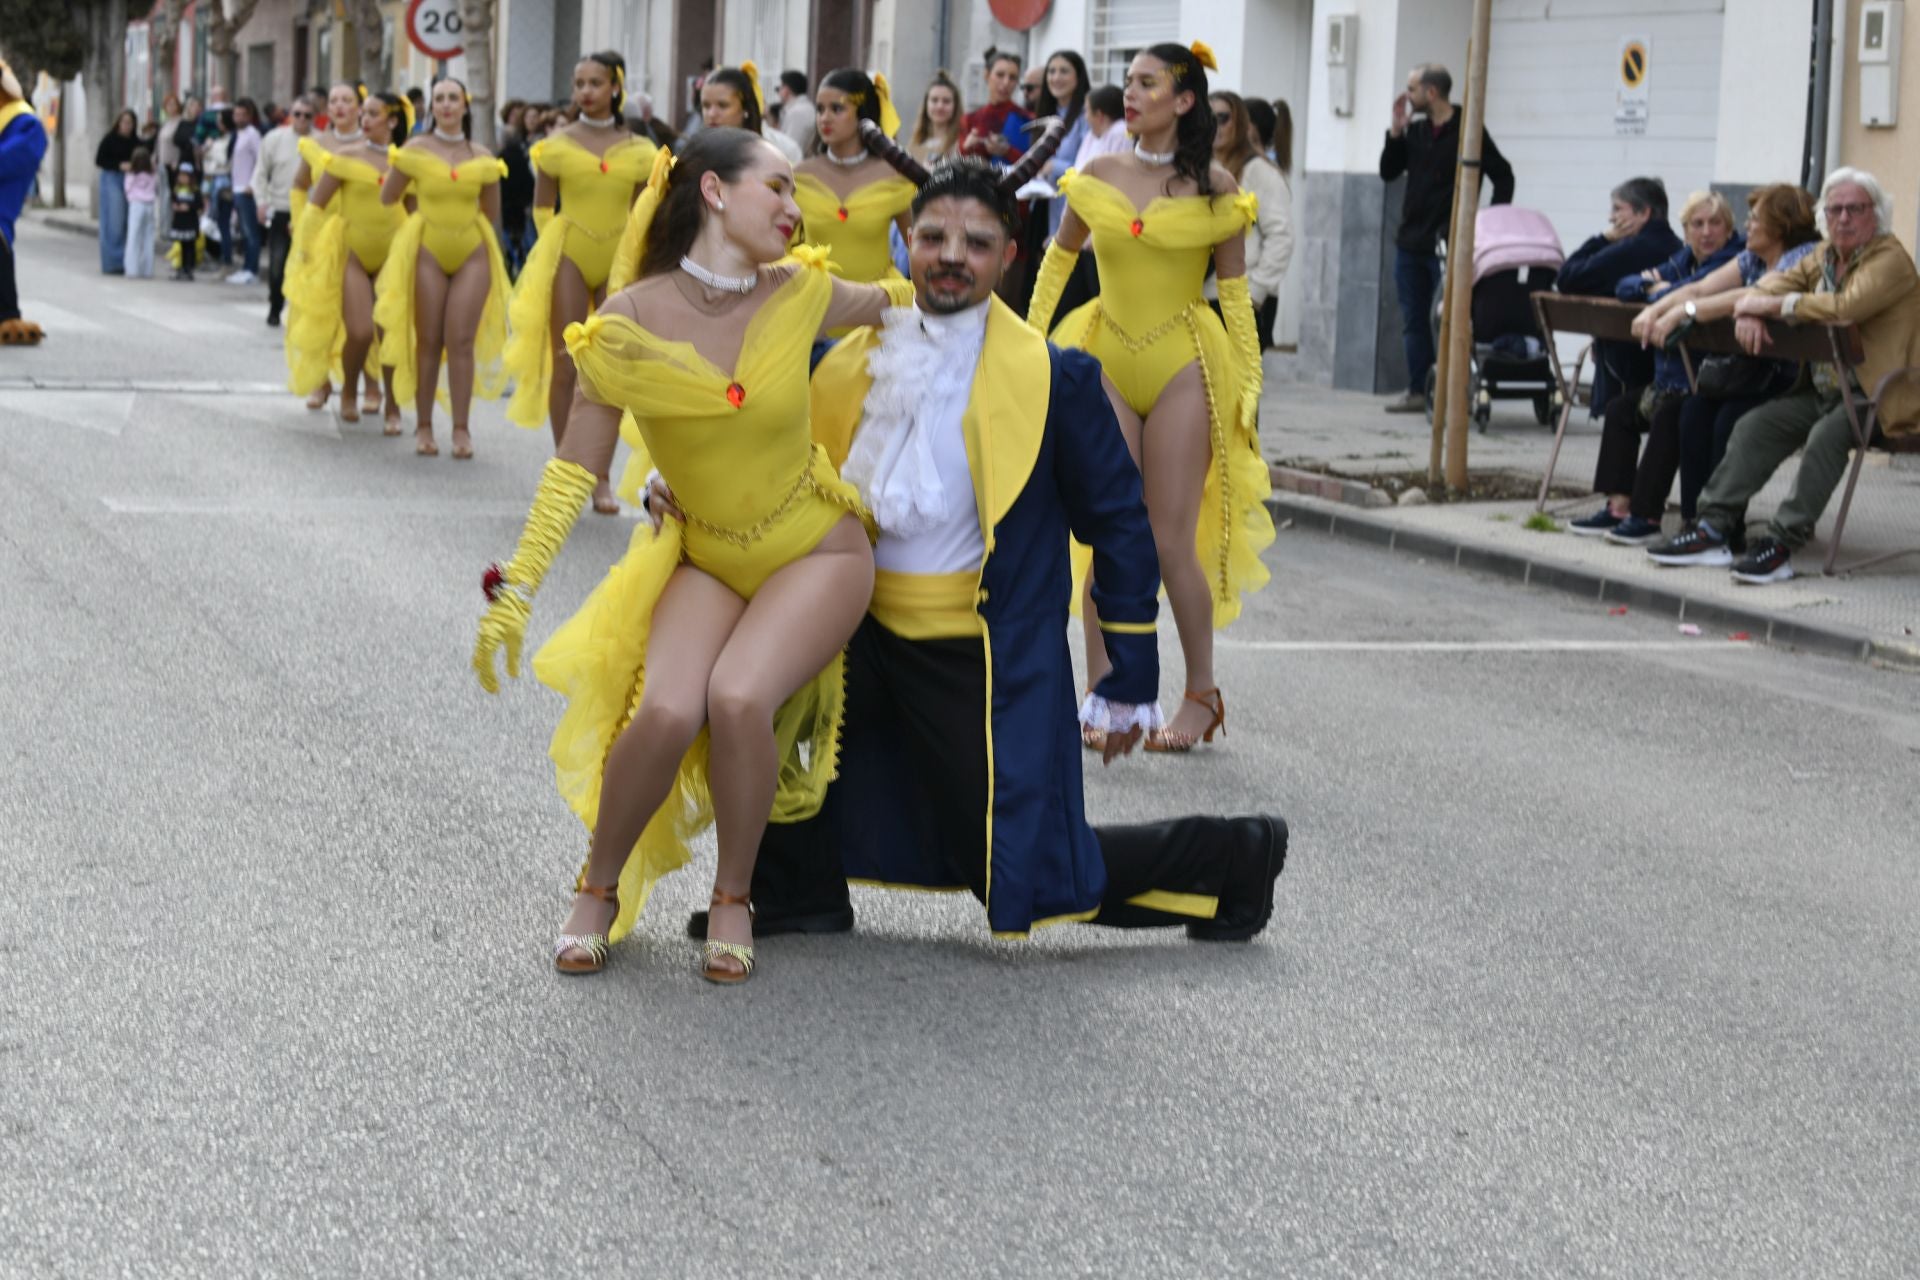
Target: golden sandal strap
x,y
604,892
594,944
714,949
723,899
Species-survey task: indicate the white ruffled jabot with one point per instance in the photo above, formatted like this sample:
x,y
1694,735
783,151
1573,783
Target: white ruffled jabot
x,y
922,378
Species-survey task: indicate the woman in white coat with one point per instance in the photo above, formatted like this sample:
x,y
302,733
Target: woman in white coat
x,y
1236,145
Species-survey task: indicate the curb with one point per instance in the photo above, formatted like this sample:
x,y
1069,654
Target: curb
x,y
65,220
1313,484
1835,642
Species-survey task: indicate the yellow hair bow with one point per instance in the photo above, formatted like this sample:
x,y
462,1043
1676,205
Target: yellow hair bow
x,y
633,240
889,118
406,107
810,255
752,73
1203,55
361,90
580,334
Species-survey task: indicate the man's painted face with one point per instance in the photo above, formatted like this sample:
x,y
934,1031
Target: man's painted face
x,y
958,251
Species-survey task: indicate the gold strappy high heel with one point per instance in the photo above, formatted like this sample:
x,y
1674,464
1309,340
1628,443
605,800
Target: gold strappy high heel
x,y
594,944
1178,742
713,949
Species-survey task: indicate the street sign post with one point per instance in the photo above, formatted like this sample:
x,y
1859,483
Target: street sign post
x,y
434,27
1631,98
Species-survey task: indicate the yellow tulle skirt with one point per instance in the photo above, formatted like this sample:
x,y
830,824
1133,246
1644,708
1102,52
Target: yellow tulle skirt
x,y
597,661
393,312
529,356
314,285
1235,525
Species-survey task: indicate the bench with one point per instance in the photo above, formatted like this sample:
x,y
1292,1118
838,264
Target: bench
x,y
1604,320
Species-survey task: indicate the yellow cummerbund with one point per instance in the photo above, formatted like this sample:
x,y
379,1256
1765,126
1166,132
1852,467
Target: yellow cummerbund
x,y
926,606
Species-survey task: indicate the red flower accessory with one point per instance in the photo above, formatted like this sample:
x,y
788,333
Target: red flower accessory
x,y
841,213
492,581
736,394
1137,227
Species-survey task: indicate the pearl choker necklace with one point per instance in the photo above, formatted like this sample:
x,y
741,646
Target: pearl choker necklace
x,y
599,124
355,136
448,137
1145,156
371,145
726,284
847,162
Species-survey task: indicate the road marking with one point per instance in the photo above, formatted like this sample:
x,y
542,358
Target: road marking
x,y
319,508
155,386
1470,646
58,320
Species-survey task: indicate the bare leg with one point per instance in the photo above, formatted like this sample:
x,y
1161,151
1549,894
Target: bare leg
x,y
466,298
429,319
1177,449
795,624
572,301
691,623
1130,427
357,312
393,402
318,400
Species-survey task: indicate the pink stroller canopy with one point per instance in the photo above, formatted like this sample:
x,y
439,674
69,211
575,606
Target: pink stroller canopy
x,y
1506,236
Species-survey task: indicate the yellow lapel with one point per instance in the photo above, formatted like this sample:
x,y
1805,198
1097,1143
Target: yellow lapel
x,y
1006,415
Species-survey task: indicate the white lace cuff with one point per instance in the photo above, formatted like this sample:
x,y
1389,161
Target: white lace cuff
x,y
1118,717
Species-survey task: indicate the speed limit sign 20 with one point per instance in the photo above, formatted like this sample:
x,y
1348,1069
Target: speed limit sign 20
x,y
434,27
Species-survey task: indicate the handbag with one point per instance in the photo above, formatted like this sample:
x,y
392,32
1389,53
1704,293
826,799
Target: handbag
x,y
1735,377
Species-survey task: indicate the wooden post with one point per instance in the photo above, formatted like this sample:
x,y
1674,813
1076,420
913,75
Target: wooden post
x,y
1443,394
1460,251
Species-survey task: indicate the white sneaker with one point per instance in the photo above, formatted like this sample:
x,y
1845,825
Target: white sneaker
x,y
242,277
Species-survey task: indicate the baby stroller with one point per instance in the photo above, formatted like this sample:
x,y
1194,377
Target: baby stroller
x,y
1516,253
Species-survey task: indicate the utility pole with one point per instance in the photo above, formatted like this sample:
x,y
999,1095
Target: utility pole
x,y
1459,355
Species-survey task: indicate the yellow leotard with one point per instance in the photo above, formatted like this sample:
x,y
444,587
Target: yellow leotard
x,y
449,225
738,452
854,231
595,194
1150,322
353,222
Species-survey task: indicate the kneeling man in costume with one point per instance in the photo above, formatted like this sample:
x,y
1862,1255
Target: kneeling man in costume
x,y
979,448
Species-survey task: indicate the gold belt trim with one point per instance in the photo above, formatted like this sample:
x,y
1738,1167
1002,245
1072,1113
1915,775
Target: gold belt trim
x,y
926,606
1135,345
743,538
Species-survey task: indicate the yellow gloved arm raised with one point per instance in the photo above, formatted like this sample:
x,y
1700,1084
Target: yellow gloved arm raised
x,y
1236,307
1055,268
564,490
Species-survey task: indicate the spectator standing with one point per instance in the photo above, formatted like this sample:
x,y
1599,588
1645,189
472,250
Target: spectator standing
x,y
272,191
185,147
983,132
1106,127
798,119
1860,275
420,116
216,171
246,210
1637,238
936,130
111,159
164,154
1236,145
650,126
1063,92
516,189
1427,151
141,229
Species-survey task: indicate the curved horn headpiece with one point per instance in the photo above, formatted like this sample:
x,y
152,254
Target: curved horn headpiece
x,y
887,149
1053,130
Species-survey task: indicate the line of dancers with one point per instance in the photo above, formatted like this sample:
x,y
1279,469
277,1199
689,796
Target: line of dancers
x,y
839,639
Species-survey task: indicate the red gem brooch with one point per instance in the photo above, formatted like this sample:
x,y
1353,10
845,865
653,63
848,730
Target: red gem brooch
x,y
1137,227
492,580
454,174
736,394
603,166
841,213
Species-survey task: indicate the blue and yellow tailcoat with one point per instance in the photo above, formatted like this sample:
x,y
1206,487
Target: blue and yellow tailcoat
x,y
1048,461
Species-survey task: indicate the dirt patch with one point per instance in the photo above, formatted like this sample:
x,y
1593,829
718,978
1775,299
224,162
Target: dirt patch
x,y
1482,486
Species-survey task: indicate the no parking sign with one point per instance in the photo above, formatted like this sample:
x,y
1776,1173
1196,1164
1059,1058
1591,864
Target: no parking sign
x,y
434,27
1630,99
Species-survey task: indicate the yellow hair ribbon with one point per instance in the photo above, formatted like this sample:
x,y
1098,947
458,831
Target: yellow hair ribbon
x,y
633,239
1203,55
889,118
406,105
620,85
468,96
361,90
752,73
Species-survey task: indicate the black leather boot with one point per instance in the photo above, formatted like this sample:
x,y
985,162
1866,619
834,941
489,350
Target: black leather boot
x,y
1246,902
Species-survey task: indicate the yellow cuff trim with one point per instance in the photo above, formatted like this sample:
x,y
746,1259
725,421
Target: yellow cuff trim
x,y
1015,935
1130,628
1179,904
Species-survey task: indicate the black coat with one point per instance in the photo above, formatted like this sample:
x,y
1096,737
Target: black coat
x,y
1429,158
1595,270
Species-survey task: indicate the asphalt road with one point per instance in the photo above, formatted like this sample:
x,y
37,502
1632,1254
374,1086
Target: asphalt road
x,y
1595,955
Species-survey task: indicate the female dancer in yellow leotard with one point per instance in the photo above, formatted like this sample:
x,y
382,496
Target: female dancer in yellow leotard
x,y
593,169
342,135
733,621
1186,390
445,283
848,195
332,285
730,98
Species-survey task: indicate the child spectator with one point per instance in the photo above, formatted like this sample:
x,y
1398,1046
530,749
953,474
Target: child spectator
x,y
141,190
186,218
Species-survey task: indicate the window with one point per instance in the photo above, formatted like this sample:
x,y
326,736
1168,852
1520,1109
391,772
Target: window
x,y
260,72
1118,29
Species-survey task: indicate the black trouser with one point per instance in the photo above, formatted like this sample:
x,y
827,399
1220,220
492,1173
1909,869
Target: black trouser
x,y
914,706
1619,444
279,245
9,288
1082,287
1653,480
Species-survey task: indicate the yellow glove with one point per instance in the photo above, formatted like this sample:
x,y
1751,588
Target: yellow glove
x,y
542,215
1055,268
564,490
1236,307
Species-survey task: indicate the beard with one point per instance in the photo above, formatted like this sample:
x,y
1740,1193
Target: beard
x,y
947,303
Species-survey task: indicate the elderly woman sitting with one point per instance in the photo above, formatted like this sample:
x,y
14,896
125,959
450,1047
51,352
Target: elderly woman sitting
x,y
1706,223
1691,434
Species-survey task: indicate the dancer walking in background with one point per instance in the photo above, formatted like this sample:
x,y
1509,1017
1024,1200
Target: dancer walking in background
x,y
849,196
342,134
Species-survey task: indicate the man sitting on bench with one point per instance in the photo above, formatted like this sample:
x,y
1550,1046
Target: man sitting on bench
x,y
1861,276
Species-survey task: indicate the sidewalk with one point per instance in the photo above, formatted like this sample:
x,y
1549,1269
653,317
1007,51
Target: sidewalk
x,y
1307,430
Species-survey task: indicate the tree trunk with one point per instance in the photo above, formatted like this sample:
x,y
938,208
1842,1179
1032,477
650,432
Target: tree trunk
x,y
476,20
223,33
368,26
102,75
60,130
